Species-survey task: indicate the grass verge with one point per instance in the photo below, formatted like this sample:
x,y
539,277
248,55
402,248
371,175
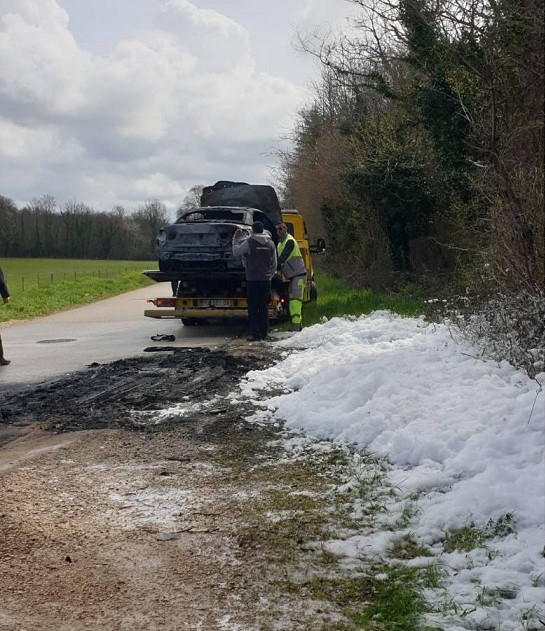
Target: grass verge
x,y
303,499
337,299
62,284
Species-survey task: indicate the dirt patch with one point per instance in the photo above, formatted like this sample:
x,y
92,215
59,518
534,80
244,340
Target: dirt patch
x,y
116,530
132,497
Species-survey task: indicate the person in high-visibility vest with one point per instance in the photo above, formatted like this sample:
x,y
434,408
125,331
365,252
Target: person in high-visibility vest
x,y
292,266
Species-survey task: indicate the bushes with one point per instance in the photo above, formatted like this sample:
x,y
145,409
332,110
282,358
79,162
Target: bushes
x,y
510,327
502,325
440,114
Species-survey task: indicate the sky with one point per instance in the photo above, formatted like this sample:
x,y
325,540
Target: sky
x,y
464,438
116,103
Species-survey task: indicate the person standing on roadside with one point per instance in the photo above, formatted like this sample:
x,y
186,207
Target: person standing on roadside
x,y
292,266
259,253
5,298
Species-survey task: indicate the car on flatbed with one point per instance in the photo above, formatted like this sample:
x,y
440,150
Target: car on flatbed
x,y
195,254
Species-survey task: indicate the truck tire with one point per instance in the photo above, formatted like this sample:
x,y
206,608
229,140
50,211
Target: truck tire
x,y
313,292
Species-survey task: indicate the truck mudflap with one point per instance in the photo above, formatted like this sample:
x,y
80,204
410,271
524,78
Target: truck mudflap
x,y
203,308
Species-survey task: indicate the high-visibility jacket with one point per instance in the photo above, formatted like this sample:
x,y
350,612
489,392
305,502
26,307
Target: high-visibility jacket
x,y
290,260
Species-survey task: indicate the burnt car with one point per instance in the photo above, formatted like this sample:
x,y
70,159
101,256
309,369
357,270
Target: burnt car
x,y
201,239
196,250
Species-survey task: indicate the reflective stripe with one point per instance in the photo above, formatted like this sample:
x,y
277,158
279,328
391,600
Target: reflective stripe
x,y
294,265
297,288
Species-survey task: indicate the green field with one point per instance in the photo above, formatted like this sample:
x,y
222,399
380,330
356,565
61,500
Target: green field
x,y
42,286
23,274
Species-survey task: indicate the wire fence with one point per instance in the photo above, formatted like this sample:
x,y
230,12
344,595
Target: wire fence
x,y
30,281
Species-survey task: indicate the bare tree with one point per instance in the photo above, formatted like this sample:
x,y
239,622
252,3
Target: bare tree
x,y
149,218
9,239
43,212
192,199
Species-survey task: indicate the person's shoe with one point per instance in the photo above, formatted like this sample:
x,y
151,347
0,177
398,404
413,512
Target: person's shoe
x,y
4,362
297,327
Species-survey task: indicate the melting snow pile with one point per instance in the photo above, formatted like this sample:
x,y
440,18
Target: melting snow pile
x,y
464,434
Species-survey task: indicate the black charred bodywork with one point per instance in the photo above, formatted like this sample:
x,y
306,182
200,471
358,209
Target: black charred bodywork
x,y
201,240
196,249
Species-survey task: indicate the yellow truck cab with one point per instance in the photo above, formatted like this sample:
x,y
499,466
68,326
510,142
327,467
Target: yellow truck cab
x,y
297,228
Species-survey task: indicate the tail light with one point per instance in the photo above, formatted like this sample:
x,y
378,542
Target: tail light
x,y
164,302
278,299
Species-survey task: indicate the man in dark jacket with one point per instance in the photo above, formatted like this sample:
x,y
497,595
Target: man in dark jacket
x,y
259,253
5,298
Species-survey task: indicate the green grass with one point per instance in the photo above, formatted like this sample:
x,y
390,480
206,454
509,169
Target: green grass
x,y
297,509
392,603
407,548
28,273
468,537
39,287
395,603
337,299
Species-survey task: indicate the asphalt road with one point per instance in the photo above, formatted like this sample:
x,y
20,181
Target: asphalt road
x,y
116,328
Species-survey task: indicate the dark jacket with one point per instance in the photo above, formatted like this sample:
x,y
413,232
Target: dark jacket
x,y
3,287
259,253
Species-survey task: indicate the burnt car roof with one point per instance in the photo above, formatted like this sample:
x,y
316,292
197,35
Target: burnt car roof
x,y
220,213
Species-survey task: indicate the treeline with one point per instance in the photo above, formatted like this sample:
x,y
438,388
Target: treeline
x,y
41,229
421,157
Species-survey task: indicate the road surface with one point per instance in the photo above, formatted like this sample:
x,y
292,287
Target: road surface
x,y
115,328
137,495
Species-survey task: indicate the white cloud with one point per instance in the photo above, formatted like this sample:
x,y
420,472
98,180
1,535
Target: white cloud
x,y
17,141
327,14
221,44
43,71
100,129
38,12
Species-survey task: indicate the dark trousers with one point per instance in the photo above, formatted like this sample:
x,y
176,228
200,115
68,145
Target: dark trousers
x,y
257,295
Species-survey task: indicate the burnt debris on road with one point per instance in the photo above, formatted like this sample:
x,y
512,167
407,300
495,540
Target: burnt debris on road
x,y
132,393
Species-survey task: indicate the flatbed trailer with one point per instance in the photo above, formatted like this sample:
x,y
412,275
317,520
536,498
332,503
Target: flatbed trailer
x,y
191,310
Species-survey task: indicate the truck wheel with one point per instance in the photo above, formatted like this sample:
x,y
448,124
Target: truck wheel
x,y
313,292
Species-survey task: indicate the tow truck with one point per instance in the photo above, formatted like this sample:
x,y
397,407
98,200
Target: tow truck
x,y
195,255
